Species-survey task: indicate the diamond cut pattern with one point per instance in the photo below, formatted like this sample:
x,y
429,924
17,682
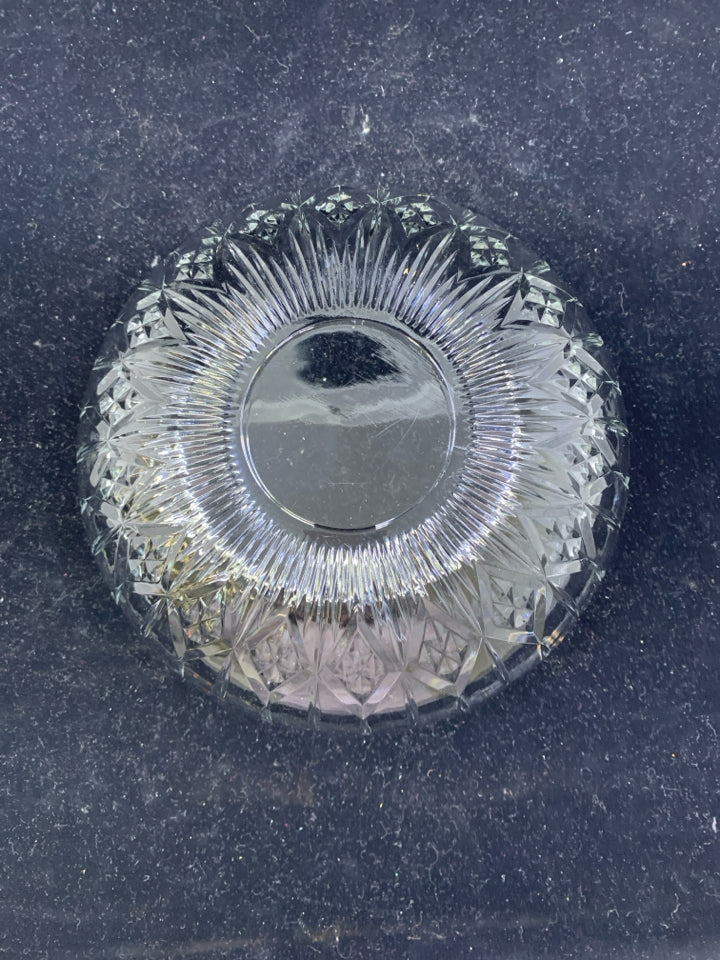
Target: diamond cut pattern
x,y
441,609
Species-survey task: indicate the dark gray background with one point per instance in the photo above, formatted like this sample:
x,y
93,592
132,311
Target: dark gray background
x,y
575,816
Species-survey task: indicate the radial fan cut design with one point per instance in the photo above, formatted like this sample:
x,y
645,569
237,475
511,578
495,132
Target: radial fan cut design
x,y
353,457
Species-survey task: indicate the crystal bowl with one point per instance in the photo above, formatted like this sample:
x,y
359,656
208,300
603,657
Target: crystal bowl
x,y
353,457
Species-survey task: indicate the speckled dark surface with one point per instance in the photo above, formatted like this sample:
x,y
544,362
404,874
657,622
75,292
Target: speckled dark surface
x,y
575,816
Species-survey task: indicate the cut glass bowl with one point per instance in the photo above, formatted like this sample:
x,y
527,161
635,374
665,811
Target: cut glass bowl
x,y
353,457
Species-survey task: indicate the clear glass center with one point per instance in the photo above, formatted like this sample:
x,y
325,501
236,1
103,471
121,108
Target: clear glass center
x,y
348,423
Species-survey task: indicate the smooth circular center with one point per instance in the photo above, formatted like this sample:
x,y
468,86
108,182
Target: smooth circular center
x,y
348,423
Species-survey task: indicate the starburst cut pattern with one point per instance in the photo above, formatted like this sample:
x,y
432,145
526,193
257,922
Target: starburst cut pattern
x,y
447,599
